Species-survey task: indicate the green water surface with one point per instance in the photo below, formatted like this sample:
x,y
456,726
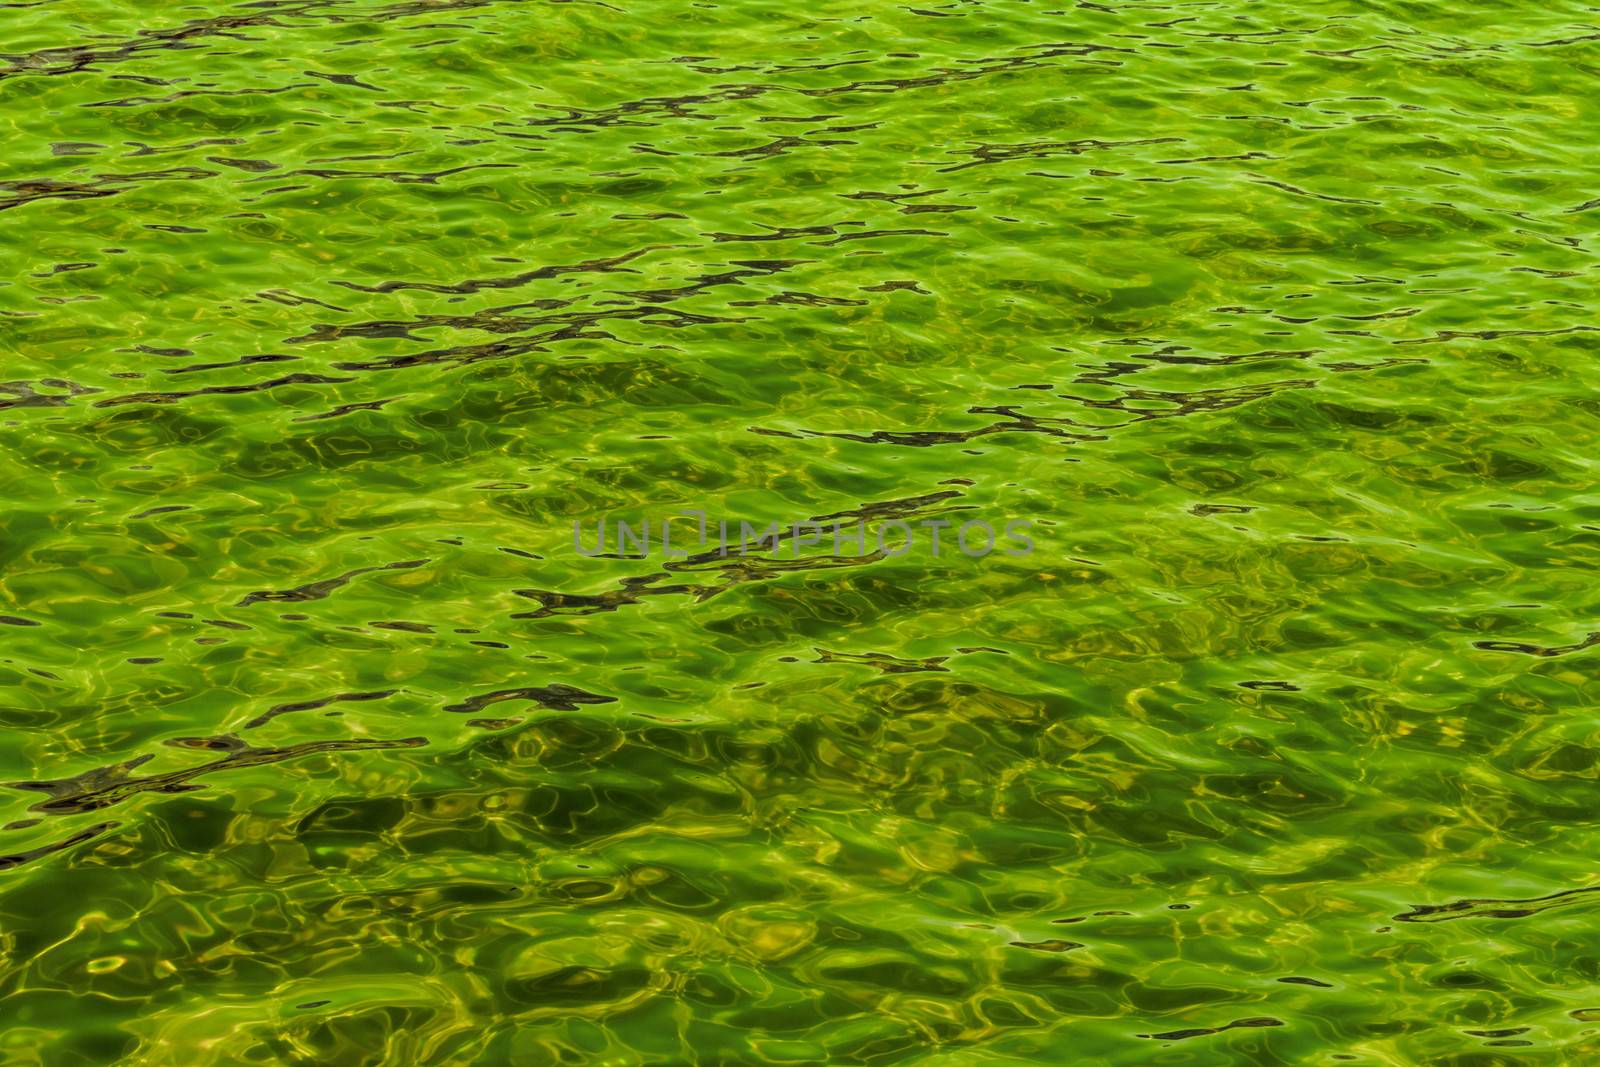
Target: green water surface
x,y
323,321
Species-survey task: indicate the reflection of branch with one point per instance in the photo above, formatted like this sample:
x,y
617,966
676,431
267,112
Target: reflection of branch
x,y
1538,650
105,786
17,859
556,697
1489,908
320,590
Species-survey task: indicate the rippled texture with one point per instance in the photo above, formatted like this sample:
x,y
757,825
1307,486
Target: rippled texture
x,y
323,320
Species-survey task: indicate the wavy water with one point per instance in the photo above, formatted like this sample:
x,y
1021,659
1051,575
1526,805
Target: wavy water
x,y
325,321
